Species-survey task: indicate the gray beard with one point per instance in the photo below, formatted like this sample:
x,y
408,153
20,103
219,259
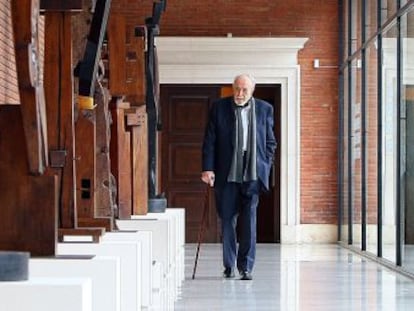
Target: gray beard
x,y
241,103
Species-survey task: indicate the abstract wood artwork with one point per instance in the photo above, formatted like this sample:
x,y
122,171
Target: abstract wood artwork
x,y
86,148
105,191
59,107
66,168
120,154
68,163
28,212
25,17
136,121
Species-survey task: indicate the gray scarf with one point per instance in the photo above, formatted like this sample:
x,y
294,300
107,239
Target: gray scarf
x,y
237,174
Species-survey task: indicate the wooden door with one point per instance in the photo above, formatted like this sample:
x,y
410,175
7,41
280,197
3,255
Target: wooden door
x,y
184,116
268,212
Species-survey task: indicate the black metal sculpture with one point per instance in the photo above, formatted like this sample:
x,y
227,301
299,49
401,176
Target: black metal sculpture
x,y
157,202
87,68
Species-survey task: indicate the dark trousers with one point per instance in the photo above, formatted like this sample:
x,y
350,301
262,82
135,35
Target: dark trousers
x,y
237,203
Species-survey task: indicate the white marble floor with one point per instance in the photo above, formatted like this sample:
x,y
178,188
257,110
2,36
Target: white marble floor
x,y
299,278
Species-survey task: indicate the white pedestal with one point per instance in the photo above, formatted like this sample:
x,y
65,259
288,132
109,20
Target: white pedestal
x,y
159,229
159,290
177,217
104,273
47,294
130,259
161,248
145,238
168,247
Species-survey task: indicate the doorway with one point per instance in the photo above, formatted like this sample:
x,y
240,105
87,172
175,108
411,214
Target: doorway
x,y
184,116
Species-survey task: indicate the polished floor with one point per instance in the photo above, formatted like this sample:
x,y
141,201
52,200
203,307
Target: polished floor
x,y
299,278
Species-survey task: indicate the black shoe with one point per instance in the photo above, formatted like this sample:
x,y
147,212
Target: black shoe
x,y
228,273
245,276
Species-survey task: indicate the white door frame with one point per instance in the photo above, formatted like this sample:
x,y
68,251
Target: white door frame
x,y
216,60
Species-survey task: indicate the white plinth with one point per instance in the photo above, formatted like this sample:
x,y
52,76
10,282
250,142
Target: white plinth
x,y
47,294
130,260
162,247
176,219
169,239
159,228
145,238
159,290
104,273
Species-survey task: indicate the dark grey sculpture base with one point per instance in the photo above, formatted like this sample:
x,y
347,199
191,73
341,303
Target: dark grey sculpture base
x,y
14,266
157,205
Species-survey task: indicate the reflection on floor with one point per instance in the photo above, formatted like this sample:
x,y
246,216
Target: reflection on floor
x,y
408,258
295,277
389,253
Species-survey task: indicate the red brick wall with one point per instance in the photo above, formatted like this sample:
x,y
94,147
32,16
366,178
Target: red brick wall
x,y
316,20
8,77
9,93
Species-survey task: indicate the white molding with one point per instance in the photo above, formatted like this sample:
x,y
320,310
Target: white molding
x,y
213,60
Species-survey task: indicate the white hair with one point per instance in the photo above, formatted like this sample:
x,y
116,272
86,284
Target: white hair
x,y
245,75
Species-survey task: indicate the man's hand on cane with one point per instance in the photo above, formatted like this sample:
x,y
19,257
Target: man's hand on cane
x,y
208,177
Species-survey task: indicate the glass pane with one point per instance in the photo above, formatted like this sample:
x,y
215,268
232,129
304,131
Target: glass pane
x,y
371,17
388,9
345,188
407,32
389,152
372,146
356,150
345,29
356,24
403,2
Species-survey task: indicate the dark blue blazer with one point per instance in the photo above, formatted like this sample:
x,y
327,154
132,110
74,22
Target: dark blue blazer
x,y
218,140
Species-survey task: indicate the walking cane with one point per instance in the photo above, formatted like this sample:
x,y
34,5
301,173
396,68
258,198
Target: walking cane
x,y
201,229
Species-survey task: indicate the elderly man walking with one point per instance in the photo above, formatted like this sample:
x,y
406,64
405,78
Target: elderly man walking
x,y
237,156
